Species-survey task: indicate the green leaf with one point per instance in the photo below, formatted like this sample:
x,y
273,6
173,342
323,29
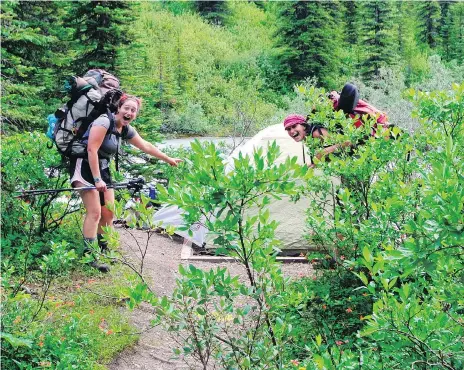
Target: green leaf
x,y
363,277
16,341
367,254
319,361
201,311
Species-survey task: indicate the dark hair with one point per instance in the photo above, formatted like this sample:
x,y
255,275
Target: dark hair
x,y
310,127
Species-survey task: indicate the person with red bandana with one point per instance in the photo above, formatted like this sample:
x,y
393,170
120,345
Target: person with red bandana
x,y
101,142
299,127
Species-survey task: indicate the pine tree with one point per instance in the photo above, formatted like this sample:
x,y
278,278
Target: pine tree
x,y
33,61
377,36
456,43
99,28
429,18
405,29
445,26
307,35
351,18
213,11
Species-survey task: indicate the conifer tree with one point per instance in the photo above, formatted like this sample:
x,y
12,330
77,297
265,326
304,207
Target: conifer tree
x,y
213,11
99,28
33,60
377,26
445,27
456,32
307,35
351,18
348,19
429,21
405,29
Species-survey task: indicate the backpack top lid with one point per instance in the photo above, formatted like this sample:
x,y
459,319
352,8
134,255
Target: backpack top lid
x,y
349,98
80,83
102,80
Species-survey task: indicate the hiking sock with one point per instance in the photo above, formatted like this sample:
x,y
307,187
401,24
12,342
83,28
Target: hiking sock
x,y
95,264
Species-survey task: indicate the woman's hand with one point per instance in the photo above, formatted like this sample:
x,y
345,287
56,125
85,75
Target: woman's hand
x,y
173,161
149,148
101,186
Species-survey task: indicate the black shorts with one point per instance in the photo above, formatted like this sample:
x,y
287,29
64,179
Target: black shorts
x,y
79,170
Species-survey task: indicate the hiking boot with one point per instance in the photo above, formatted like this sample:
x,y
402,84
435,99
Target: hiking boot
x,y
100,266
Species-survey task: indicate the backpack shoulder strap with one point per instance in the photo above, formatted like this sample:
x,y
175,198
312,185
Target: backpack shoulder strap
x,y
125,132
112,121
112,131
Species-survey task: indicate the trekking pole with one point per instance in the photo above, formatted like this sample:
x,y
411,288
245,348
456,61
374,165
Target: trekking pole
x,y
136,184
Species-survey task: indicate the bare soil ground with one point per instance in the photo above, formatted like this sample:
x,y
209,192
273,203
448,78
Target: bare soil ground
x,y
154,349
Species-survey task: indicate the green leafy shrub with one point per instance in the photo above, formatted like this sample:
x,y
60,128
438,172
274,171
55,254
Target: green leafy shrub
x,y
30,223
394,232
217,317
405,226
330,307
78,327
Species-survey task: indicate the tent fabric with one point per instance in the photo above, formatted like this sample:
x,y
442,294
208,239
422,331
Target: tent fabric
x,y
277,133
291,216
172,216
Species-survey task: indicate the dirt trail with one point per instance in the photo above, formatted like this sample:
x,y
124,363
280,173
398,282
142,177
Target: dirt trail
x,y
154,349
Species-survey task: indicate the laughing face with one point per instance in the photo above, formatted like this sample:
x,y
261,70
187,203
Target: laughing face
x,y
127,112
297,132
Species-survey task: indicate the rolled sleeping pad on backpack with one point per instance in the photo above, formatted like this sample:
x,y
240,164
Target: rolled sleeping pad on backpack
x,y
349,98
349,102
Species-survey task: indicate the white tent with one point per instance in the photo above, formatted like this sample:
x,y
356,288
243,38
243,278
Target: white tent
x,y
291,216
277,133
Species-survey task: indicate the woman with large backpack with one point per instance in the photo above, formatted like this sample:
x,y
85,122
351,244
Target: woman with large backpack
x,y
101,142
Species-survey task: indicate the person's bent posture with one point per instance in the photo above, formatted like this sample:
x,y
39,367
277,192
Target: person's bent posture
x,y
299,129
102,143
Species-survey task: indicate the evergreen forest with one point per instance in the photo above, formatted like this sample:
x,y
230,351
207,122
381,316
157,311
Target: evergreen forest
x,y
387,286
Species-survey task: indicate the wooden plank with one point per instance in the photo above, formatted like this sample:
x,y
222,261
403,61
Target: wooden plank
x,y
187,251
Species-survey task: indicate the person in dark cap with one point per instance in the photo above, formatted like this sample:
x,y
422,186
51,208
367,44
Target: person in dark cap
x,y
299,127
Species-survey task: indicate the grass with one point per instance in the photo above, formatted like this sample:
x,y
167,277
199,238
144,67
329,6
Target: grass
x,y
84,323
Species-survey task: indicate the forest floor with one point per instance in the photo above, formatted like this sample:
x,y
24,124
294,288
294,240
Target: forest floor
x,y
154,350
